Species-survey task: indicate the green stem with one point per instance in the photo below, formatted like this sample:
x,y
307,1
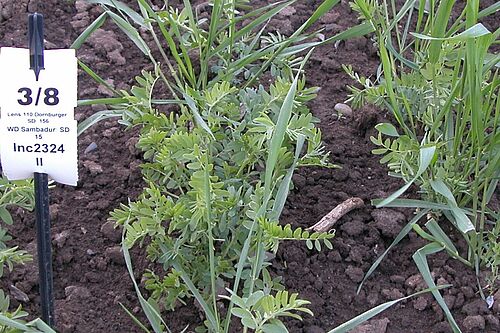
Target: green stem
x,y
165,58
211,248
231,27
257,267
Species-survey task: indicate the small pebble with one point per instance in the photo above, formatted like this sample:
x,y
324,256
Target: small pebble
x,y
90,147
343,109
18,294
490,300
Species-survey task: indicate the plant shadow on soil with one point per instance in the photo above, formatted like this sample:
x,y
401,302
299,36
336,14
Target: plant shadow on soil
x,y
90,279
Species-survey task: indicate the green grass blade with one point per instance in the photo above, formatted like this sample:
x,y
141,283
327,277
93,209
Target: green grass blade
x,y
420,258
206,309
41,325
279,134
97,117
415,203
102,101
387,68
441,236
196,115
34,326
98,22
475,31
186,68
423,234
284,187
463,222
353,32
239,270
495,7
399,56
318,13
250,27
491,189
215,18
135,319
365,316
190,12
408,5
207,192
253,13
131,32
492,9
96,77
439,28
440,187
426,156
166,101
123,8
153,316
406,229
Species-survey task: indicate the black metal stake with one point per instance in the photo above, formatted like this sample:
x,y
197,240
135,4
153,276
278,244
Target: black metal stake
x,y
35,43
44,247
36,47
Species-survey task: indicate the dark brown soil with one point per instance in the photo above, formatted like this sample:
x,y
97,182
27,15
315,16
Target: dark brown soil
x,y
90,278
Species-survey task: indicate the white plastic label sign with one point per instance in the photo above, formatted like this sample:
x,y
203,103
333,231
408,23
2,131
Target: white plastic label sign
x,y
38,132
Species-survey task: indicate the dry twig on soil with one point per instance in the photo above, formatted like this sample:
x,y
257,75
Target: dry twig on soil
x,y
335,214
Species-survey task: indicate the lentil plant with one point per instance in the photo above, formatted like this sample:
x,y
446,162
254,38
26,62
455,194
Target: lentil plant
x,y
219,161
220,145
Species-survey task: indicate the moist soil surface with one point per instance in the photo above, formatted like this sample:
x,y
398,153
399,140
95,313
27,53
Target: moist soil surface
x,y
90,278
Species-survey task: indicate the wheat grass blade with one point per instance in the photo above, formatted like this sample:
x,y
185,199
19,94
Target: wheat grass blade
x,y
365,316
122,8
98,22
406,229
151,313
420,258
